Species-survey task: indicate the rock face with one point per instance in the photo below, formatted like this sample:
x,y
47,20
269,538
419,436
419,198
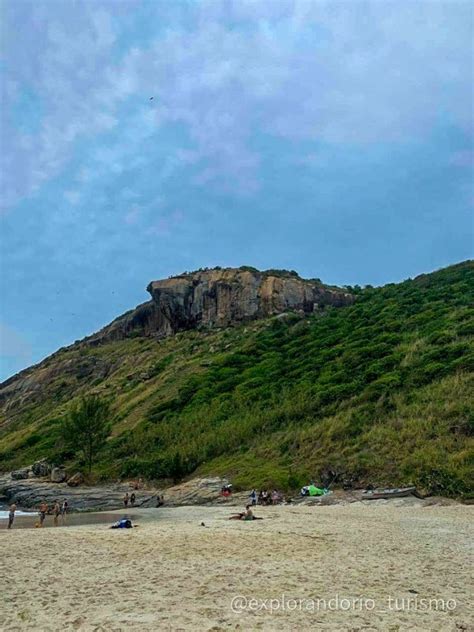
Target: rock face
x,y
30,493
219,298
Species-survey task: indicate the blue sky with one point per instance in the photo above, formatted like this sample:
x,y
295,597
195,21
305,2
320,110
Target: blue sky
x,y
332,138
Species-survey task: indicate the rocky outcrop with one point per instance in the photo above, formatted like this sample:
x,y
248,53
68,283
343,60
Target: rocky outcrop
x,y
30,493
219,298
75,480
41,468
58,475
204,299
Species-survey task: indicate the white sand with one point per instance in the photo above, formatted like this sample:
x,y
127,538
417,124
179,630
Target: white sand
x,y
173,574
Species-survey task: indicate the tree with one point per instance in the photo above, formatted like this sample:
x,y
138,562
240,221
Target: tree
x,y
86,427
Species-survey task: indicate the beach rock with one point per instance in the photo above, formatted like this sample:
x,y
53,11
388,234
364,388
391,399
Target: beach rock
x,y
31,492
76,480
28,493
41,468
198,491
58,475
20,474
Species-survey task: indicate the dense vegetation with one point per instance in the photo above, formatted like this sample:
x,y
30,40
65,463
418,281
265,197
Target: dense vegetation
x,y
378,392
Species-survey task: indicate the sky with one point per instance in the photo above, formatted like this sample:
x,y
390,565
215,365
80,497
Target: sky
x,y
332,138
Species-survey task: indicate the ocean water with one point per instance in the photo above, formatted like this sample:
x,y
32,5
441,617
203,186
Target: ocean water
x,y
4,513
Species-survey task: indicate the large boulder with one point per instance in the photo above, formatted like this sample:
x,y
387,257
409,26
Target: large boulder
x,y
76,480
18,475
41,468
58,475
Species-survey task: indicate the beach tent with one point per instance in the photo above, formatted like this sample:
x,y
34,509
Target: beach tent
x,y
315,491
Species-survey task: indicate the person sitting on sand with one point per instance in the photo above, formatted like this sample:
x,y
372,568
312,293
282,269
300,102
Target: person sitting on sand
x,y
56,512
245,515
160,501
43,510
125,500
11,515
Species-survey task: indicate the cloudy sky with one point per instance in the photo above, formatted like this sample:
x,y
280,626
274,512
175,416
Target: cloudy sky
x,y
334,138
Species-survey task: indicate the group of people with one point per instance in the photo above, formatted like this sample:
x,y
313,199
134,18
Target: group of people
x,y
57,509
132,499
264,497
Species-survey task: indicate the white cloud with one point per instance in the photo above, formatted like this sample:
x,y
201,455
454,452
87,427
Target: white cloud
x,y
335,72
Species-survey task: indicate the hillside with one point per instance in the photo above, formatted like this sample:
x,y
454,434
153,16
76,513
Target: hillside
x,y
378,390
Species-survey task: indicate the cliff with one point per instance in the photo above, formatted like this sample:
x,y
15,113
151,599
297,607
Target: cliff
x,y
220,298
206,299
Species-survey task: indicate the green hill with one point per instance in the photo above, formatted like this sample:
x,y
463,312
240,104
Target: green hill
x,y
379,391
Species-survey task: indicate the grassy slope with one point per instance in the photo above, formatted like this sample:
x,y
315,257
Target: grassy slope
x,y
378,392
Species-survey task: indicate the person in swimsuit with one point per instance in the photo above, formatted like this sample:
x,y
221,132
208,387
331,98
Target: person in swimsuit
x,y
11,515
64,509
56,512
125,500
132,499
43,509
245,515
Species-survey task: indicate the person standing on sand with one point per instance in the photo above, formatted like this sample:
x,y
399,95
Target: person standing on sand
x,y
11,515
56,512
132,499
125,500
253,497
43,509
64,508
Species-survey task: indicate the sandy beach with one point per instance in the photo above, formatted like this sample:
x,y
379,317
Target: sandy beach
x,y
380,566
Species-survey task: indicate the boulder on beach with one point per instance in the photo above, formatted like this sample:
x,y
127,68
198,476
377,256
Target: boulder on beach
x,y
58,475
20,474
76,480
41,468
